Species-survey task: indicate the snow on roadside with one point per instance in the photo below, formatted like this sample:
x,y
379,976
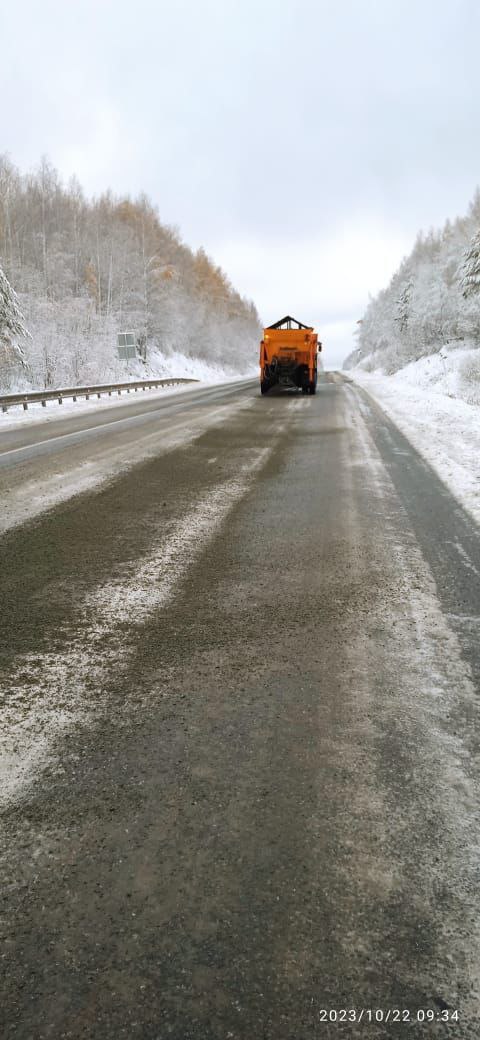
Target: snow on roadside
x,y
160,366
442,427
16,417
176,364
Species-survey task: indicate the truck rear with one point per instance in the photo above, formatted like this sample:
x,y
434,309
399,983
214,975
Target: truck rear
x,y
288,356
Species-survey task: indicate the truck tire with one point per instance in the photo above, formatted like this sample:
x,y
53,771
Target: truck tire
x,y
264,387
312,388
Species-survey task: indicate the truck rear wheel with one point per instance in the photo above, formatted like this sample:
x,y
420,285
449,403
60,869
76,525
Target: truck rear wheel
x,y
312,388
264,386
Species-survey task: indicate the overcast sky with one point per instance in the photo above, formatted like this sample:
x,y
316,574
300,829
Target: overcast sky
x,y
302,144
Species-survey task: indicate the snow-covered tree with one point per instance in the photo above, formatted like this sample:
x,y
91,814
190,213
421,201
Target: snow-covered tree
x,y
403,306
432,300
12,322
87,270
470,268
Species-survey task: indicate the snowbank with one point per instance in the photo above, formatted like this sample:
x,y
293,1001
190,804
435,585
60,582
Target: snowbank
x,y
176,364
428,400
451,370
159,366
17,417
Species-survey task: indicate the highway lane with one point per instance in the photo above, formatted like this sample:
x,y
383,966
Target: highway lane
x,y
42,464
23,442
240,688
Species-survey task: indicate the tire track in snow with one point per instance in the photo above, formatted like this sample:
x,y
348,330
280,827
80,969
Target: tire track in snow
x,y
43,482
49,692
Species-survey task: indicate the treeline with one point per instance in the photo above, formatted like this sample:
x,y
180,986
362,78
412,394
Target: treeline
x,y
432,301
85,270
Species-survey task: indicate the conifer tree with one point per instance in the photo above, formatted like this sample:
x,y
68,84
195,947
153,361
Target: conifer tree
x,y
403,307
12,322
470,269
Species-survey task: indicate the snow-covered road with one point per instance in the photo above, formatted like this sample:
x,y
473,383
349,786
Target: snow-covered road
x,y
46,462
240,726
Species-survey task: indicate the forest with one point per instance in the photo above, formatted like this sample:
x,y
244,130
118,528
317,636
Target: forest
x,y
77,272
432,303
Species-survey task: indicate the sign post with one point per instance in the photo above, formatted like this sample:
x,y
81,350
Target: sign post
x,y
126,346
130,346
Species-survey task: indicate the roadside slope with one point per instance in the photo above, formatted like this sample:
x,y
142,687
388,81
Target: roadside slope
x,y
444,429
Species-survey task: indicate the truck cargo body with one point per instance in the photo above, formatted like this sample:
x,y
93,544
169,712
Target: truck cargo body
x,y
288,356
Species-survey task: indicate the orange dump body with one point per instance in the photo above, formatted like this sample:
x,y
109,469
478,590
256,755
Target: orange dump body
x,y
288,356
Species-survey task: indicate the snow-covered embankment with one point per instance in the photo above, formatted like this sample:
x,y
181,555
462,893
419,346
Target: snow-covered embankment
x,y
432,401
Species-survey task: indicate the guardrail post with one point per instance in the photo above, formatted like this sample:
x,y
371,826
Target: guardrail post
x,y
9,400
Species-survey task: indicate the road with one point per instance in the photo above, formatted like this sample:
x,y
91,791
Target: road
x,y
240,725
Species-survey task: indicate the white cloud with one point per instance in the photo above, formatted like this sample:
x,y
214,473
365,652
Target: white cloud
x,y
303,144
92,158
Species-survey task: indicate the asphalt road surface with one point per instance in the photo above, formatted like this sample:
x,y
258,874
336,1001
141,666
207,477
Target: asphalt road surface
x,y
240,725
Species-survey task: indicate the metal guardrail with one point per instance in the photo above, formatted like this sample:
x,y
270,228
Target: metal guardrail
x,y
10,400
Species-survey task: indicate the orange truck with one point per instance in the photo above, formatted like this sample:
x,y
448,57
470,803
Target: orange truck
x,y
288,356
